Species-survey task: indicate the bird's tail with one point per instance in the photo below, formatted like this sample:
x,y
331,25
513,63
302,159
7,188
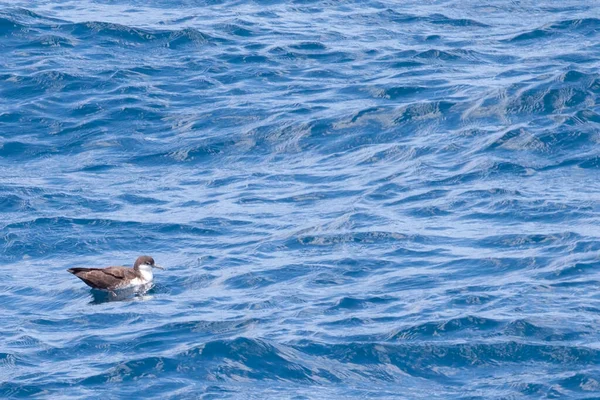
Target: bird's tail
x,y
75,271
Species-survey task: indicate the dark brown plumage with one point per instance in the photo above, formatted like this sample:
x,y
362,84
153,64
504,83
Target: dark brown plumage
x,y
117,277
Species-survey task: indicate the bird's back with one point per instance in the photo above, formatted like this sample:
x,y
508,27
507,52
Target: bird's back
x,y
105,278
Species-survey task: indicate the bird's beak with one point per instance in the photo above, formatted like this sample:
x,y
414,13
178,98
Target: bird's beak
x,y
158,266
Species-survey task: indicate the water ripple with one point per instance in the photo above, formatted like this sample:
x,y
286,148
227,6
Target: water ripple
x,y
353,200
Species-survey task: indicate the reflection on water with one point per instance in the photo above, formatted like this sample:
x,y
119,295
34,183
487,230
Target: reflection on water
x,y
133,293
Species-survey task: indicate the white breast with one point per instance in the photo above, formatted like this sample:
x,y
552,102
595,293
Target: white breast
x,y
146,276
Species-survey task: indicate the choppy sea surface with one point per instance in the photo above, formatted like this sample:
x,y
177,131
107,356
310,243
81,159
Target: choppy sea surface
x,y
355,199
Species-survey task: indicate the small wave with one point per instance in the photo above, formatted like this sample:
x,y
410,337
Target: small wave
x,y
133,370
440,19
423,111
547,100
356,237
8,26
576,270
19,19
441,330
11,390
196,154
129,35
425,359
529,241
402,92
136,199
12,203
585,26
38,236
21,150
535,34
156,336
525,328
436,54
252,359
350,303
268,277
22,19
583,382
43,41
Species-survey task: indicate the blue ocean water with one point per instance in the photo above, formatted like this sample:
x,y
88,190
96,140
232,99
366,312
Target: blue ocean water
x,y
355,199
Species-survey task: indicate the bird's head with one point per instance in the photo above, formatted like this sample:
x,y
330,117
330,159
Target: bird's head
x,y
145,262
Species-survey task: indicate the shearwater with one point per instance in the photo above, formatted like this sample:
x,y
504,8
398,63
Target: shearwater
x,y
112,278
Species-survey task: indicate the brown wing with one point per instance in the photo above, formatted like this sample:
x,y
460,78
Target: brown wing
x,y
104,278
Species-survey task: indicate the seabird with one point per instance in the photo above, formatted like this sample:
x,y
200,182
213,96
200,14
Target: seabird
x,y
112,278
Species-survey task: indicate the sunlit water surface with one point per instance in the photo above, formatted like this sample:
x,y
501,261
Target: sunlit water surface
x,y
354,199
